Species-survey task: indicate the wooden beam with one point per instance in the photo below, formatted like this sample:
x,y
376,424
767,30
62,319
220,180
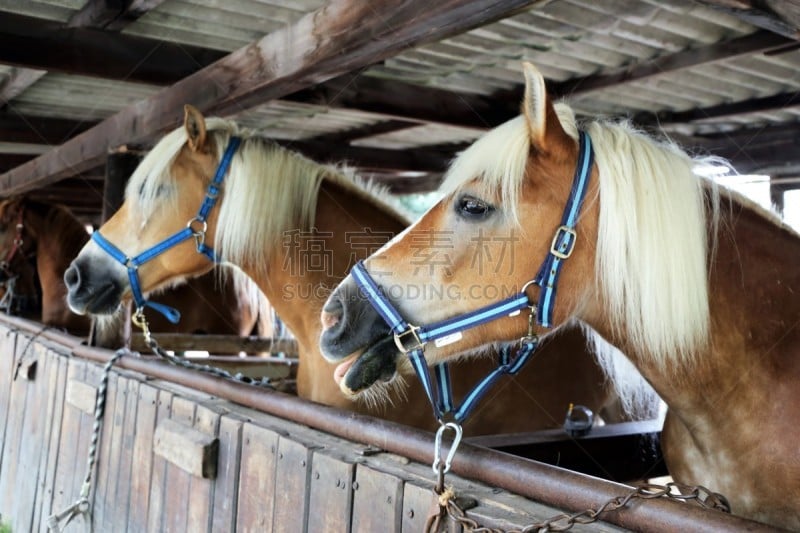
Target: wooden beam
x,y
778,16
404,100
370,130
47,45
399,99
16,81
342,36
111,14
38,130
771,149
755,105
755,43
373,158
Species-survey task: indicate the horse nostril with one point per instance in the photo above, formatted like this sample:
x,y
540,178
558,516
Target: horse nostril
x,y
72,277
331,313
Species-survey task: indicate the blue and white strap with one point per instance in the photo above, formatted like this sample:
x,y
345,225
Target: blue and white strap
x,y
437,330
564,239
439,388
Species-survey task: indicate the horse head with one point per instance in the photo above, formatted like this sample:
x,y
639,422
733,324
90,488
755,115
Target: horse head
x,y
162,199
484,241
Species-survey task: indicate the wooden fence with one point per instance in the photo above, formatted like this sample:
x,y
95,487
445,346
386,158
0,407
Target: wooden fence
x,y
175,459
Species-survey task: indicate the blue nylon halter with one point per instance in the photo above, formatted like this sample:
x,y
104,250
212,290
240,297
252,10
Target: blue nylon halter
x,y
439,390
190,231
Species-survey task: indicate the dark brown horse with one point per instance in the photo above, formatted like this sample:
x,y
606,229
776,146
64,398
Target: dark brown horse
x,y
296,227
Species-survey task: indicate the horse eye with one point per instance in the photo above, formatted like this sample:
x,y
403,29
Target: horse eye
x,y
473,208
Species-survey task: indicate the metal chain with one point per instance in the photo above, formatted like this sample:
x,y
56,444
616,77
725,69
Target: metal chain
x,y
449,507
140,321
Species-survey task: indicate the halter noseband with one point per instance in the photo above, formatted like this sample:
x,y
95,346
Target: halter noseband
x,y
411,339
195,228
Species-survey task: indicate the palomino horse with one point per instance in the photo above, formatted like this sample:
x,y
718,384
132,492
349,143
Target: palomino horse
x,y
39,240
698,287
295,227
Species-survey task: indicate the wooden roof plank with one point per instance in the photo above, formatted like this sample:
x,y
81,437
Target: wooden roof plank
x,y
758,42
111,14
16,82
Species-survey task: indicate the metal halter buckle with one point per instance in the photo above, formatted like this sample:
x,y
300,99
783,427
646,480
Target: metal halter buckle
x,y
399,340
561,237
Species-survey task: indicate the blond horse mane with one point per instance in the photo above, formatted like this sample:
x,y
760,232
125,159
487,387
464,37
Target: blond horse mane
x,y
652,238
268,190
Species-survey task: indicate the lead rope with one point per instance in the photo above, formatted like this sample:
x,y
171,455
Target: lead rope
x,y
83,507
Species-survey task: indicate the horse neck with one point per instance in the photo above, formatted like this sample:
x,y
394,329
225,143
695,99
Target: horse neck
x,y
55,249
734,412
298,294
754,285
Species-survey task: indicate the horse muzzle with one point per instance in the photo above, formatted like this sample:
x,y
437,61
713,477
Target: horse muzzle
x,y
357,338
349,323
91,293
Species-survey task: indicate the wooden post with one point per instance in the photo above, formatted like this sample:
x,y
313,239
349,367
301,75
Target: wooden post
x,y
119,167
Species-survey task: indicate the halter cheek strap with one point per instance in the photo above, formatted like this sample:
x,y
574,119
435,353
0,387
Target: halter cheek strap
x,y
565,237
195,228
411,339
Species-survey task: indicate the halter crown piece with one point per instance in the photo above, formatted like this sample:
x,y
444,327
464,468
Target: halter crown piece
x,y
195,228
411,339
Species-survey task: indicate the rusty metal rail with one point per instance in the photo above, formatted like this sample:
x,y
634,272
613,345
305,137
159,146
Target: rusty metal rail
x,y
551,485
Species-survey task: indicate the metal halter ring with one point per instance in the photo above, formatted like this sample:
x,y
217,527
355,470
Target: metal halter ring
x,y
197,232
525,288
199,235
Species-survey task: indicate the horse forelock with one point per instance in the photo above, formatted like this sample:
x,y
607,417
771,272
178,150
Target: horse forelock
x,y
145,190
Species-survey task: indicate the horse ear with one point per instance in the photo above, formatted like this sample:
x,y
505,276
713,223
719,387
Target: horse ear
x,y
10,208
539,113
195,125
